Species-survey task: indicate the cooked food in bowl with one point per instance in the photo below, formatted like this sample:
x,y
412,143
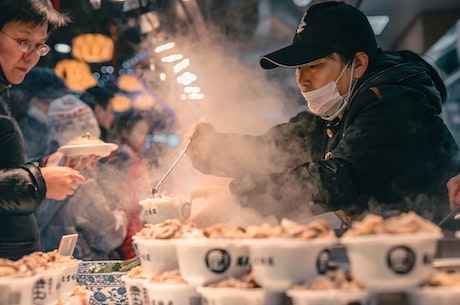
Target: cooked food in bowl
x,y
170,288
335,287
219,253
289,253
155,245
85,138
392,254
87,144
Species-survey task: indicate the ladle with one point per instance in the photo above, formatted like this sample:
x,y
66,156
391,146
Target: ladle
x,y
155,189
452,214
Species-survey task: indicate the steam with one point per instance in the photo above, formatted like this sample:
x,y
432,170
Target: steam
x,y
238,98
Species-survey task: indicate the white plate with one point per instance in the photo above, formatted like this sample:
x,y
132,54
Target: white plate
x,y
100,149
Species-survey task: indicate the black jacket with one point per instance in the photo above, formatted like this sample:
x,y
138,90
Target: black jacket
x,y
22,189
390,151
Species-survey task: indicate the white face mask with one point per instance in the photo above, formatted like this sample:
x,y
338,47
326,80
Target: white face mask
x,y
326,101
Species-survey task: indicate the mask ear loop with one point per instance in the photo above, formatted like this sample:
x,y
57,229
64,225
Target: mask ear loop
x,y
351,87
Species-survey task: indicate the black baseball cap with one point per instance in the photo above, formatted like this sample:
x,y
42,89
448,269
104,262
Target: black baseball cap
x,y
324,28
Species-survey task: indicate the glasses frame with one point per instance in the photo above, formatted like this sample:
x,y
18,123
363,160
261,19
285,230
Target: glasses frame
x,y
26,46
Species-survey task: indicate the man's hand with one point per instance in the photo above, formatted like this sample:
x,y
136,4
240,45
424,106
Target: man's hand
x,y
453,189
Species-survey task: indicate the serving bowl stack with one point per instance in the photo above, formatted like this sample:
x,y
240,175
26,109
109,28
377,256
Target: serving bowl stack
x,y
156,246
36,278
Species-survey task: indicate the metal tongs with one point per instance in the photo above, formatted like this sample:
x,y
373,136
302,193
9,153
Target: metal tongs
x,y
155,189
453,214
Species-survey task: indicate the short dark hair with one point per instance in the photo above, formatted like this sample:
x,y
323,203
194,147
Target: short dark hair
x,y
97,95
36,12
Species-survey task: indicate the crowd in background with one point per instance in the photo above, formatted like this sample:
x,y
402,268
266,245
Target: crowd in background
x,y
105,211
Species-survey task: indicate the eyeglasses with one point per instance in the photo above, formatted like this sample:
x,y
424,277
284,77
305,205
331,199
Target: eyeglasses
x,y
26,46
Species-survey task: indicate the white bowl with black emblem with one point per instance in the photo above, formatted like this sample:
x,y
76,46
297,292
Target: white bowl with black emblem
x,y
391,262
208,260
279,263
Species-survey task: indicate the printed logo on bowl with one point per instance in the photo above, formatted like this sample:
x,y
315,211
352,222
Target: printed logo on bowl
x,y
322,261
217,260
401,259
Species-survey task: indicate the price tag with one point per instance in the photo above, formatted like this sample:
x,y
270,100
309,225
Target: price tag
x,y
67,244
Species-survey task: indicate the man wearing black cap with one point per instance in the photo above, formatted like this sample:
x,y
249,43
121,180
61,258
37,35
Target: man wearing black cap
x,y
370,140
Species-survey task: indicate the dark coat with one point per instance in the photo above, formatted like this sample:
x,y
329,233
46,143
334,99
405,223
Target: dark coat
x,y
22,189
390,151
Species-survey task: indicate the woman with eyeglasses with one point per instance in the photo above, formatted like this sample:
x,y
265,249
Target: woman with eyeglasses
x,y
24,28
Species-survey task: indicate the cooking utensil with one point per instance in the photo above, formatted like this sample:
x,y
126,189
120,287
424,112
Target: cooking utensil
x,y
452,214
155,189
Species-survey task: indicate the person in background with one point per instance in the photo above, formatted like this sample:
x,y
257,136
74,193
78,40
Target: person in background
x,y
371,139
87,212
136,183
100,101
24,27
43,86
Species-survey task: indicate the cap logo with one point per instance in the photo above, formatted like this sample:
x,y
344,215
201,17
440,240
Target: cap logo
x,y
302,23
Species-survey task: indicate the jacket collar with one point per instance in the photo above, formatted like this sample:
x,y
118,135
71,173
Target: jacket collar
x,y
4,84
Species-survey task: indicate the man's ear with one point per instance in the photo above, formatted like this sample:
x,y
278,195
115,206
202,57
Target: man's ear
x,y
361,62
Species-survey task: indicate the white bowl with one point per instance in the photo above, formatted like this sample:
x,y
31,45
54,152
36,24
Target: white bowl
x,y
329,297
156,255
396,262
204,261
277,263
18,289
435,295
180,294
157,210
137,293
69,278
47,286
232,296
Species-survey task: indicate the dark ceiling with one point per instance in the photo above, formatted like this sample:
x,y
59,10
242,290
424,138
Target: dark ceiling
x,y
258,25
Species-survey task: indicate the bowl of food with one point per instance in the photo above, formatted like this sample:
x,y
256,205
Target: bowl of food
x,y
395,254
47,286
443,288
171,288
159,209
69,276
106,284
219,254
86,145
156,247
335,287
134,283
156,255
17,287
234,291
232,296
290,253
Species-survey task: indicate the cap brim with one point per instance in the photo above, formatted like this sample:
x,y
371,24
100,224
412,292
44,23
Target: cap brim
x,y
293,56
